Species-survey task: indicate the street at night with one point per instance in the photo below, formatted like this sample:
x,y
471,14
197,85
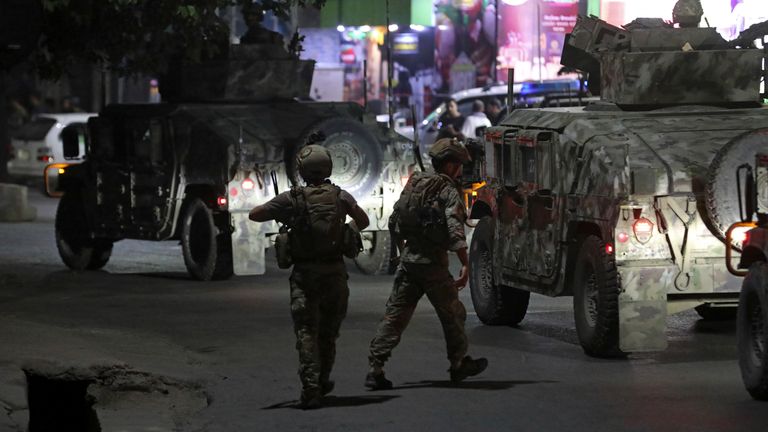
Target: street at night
x,y
219,356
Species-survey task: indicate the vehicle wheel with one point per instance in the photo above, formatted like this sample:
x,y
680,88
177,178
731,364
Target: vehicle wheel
x,y
102,251
596,299
357,155
713,313
722,204
752,331
376,260
207,251
76,248
494,304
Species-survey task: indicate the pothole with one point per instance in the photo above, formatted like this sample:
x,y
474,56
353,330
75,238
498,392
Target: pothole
x,y
108,397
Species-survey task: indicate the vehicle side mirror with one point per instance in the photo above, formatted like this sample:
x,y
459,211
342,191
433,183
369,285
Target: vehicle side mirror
x,y
51,177
71,137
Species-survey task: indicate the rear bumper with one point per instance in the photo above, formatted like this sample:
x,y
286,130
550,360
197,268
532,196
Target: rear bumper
x,y
26,169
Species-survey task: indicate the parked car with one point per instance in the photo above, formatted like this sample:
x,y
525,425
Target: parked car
x,y
528,94
38,143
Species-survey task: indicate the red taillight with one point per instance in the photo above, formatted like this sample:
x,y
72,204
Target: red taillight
x,y
248,184
221,201
740,235
46,159
643,229
622,237
609,248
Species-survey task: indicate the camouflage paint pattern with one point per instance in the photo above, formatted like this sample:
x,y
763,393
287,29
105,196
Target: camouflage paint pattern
x,y
606,169
672,78
643,307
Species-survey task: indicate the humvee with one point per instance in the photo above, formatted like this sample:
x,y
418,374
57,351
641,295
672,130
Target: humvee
x,y
623,204
192,169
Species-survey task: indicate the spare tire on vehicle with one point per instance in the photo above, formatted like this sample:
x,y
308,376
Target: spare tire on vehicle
x,y
357,155
722,198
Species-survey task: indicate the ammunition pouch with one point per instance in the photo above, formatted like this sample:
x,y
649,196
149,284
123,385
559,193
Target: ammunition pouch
x,y
283,249
351,242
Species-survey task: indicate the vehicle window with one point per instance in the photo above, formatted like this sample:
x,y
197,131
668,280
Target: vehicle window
x,y
527,164
36,130
465,106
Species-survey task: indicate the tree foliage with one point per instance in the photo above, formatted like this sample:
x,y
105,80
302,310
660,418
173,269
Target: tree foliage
x,y
135,36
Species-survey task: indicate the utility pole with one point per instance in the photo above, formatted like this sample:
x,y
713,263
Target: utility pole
x,y
389,73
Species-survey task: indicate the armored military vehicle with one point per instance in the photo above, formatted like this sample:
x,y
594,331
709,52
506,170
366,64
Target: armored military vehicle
x,y
623,204
192,168
750,237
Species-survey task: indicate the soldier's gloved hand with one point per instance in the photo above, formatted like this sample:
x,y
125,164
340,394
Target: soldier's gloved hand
x,y
461,282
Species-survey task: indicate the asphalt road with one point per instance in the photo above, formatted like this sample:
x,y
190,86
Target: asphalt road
x,y
176,354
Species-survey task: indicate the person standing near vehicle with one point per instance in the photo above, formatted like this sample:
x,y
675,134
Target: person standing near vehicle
x,y
493,111
315,214
475,120
427,222
451,121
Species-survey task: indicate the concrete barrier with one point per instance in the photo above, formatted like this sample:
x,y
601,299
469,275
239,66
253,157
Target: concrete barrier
x,y
13,204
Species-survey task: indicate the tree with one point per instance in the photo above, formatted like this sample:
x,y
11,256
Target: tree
x,y
131,36
137,36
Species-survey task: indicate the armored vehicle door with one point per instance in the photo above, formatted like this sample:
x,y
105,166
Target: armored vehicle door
x,y
531,208
150,167
134,175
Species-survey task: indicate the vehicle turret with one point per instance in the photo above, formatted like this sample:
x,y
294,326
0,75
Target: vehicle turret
x,y
650,63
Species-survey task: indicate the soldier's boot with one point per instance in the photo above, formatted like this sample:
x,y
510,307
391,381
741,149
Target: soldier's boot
x,y
327,387
377,381
469,367
311,399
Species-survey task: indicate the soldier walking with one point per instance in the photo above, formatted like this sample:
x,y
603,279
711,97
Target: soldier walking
x,y
315,215
427,222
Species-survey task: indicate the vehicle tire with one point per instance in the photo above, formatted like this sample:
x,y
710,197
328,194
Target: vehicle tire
x,y
722,202
207,251
357,155
102,251
752,331
712,313
376,260
494,304
76,248
596,299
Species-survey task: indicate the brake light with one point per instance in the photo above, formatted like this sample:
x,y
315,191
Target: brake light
x,y
609,248
740,235
643,229
46,158
622,237
221,201
248,184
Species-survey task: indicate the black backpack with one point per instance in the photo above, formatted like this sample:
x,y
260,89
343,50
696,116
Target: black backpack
x,y
316,231
419,213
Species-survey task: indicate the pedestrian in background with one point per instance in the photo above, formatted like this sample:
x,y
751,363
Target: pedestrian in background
x,y
450,121
475,120
315,215
427,222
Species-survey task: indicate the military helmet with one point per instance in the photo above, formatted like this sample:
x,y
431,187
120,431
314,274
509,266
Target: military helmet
x,y
449,149
314,162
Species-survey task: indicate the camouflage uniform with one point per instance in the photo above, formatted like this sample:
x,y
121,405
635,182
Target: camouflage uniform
x,y
423,270
319,295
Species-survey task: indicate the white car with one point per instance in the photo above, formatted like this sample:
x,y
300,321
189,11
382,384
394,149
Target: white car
x,y
38,143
